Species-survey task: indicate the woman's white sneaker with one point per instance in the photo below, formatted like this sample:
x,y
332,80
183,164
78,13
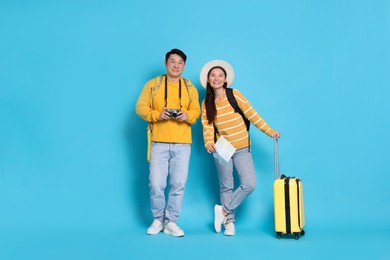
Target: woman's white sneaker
x,y
230,229
171,228
219,218
156,227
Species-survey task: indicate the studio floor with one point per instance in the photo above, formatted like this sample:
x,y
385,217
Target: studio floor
x,y
318,243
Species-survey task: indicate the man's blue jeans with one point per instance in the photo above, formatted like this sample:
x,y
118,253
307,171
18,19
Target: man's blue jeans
x,y
168,159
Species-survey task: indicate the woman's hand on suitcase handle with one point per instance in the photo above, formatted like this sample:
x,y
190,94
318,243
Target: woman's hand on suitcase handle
x,y
276,135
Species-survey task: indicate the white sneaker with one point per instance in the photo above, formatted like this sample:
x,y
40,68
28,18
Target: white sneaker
x,y
155,228
230,229
219,218
171,228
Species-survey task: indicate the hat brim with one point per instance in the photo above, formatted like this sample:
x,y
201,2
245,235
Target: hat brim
x,y
214,63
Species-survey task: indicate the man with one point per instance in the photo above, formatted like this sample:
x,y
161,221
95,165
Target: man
x,y
170,104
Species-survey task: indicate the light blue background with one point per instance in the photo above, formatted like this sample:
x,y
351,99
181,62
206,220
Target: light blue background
x,y
73,174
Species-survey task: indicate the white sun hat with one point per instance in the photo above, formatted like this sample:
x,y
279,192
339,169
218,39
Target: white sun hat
x,y
214,63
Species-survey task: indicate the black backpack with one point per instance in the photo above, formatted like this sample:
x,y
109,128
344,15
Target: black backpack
x,y
233,102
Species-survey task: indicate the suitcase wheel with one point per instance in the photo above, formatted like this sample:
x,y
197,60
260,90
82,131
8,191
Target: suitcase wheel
x,y
279,234
302,232
296,235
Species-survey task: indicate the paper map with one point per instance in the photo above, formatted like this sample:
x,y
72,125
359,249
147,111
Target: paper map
x,y
224,150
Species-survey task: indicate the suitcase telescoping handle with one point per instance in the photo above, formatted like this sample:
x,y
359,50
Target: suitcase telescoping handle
x,y
276,159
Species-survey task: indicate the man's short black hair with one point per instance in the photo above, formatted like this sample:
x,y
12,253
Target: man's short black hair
x,y
176,51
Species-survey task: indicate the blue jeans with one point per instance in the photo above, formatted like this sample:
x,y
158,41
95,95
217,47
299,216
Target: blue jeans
x,y
168,159
230,198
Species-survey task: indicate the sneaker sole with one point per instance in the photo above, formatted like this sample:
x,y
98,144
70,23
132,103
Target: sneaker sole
x,y
172,234
152,233
229,235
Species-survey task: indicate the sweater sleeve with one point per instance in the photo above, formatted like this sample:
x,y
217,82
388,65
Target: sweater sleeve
x,y
208,129
143,107
252,115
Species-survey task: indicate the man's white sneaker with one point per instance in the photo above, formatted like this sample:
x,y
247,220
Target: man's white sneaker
x,y
230,229
171,228
155,228
219,218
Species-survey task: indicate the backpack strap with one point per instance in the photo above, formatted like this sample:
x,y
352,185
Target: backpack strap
x,y
149,129
189,88
156,86
233,102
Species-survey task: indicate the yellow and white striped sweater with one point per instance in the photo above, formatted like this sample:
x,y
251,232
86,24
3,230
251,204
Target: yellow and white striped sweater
x,y
230,124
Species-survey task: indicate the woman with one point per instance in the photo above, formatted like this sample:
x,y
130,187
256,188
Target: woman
x,y
219,119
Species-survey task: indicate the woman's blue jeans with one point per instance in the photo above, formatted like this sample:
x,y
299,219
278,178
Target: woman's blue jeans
x,y
230,198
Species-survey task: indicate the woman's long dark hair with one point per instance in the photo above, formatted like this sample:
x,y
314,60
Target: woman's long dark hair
x,y
211,109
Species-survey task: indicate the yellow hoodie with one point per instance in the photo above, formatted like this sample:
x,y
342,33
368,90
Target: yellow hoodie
x,y
170,131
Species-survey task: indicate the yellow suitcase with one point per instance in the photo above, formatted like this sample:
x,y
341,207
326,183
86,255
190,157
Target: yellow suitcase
x,y
288,202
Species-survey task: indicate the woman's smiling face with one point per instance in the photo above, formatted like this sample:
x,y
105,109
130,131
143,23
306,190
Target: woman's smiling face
x,y
217,78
